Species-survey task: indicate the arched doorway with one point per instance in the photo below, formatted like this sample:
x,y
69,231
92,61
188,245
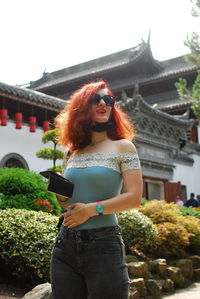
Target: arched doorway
x,y
13,160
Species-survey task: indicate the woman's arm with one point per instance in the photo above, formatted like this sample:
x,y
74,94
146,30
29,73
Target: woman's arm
x,y
131,197
63,201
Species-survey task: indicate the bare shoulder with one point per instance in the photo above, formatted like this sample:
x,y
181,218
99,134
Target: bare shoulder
x,y
125,145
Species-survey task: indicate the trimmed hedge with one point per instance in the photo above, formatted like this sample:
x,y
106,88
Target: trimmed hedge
x,y
27,239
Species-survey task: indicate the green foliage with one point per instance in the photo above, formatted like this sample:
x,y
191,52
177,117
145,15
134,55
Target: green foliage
x,y
144,201
196,10
50,135
189,211
57,169
17,180
194,95
137,229
172,240
193,41
20,187
49,153
27,239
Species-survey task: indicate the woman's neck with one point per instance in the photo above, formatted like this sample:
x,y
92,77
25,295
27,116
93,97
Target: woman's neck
x,y
98,137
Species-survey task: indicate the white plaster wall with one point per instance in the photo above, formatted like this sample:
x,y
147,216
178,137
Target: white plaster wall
x,y
24,143
189,175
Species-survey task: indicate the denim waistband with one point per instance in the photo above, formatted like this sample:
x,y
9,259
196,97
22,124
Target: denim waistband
x,y
88,234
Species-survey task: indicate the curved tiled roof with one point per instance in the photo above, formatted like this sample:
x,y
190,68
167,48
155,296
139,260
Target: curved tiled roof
x,y
31,96
173,67
174,105
116,61
95,67
131,103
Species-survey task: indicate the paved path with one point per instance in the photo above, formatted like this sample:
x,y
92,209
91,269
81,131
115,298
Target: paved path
x,y
192,292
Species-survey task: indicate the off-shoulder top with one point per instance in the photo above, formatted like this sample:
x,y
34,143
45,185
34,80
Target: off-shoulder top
x,y
97,177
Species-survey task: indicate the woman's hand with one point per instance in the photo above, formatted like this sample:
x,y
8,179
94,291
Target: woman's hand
x,y
79,214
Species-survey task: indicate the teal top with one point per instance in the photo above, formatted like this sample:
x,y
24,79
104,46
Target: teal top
x,y
97,177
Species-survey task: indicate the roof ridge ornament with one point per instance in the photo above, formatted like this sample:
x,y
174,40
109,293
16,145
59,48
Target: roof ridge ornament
x,y
135,90
149,36
124,96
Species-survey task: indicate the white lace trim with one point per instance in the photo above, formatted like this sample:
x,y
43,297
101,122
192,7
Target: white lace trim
x,y
117,162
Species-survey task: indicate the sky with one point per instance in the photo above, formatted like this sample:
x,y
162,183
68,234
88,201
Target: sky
x,y
49,35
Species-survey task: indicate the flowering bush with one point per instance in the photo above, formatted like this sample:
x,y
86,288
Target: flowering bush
x,y
44,205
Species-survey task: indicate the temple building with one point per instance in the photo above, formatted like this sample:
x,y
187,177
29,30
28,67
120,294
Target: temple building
x,y
167,132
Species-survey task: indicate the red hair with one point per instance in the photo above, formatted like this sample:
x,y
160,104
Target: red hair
x,y
75,120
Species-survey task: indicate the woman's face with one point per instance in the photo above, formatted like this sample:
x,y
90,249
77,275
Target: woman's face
x,y
101,112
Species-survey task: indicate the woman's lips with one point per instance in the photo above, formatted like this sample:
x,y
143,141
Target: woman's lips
x,y
101,110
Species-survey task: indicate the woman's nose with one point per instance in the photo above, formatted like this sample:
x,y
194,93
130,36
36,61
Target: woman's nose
x,y
102,102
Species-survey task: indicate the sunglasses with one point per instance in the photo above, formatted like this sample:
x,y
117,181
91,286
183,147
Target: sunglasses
x,y
108,99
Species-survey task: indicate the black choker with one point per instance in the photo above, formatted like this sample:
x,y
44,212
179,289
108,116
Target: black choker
x,y
100,127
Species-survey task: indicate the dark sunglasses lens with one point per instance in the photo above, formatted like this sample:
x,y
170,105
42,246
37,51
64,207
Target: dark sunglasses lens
x,y
109,100
96,99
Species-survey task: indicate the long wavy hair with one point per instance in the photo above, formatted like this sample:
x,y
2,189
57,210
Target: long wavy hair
x,y
75,120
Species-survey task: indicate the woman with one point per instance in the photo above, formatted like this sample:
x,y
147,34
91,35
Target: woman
x,y
88,260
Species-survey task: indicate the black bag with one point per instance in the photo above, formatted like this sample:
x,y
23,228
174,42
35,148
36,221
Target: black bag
x,y
58,184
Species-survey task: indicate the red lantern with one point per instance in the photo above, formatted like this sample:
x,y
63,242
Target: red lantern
x,y
18,120
46,125
3,117
32,123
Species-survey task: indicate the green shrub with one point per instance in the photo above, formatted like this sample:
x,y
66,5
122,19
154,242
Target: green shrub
x,y
144,201
27,238
20,187
189,211
137,230
172,240
20,181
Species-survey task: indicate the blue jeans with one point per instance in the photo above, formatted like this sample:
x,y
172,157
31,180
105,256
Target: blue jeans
x,y
89,264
